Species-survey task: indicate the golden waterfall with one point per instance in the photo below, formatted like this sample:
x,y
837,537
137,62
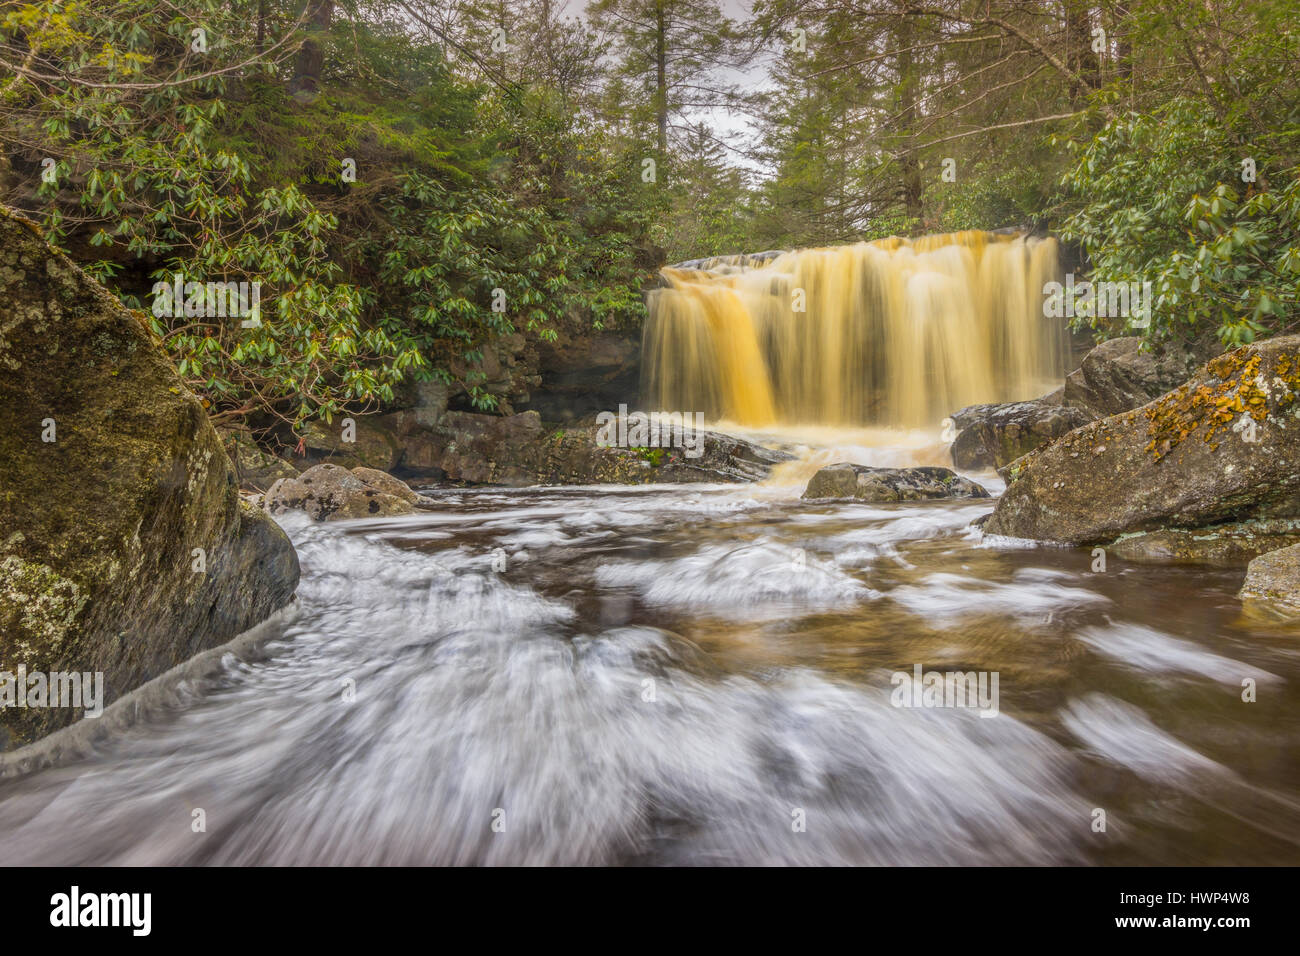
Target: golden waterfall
x,y
894,332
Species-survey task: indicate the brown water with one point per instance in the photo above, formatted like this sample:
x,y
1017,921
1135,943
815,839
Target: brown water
x,y
675,674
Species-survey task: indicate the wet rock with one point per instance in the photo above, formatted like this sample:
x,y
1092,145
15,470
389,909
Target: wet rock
x,y
995,435
1116,376
1228,545
723,458
519,450
1224,446
124,545
890,484
329,492
382,481
1273,581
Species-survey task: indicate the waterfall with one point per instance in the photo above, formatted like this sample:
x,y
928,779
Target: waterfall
x,y
893,332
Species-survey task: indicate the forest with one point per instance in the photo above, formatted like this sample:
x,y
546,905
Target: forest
x,y
648,433
408,180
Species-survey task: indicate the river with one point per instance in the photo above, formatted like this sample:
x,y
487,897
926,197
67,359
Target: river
x,y
702,675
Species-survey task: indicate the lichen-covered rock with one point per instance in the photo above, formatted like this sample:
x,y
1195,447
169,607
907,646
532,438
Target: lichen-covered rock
x,y
995,435
1273,580
865,483
332,493
124,546
1224,446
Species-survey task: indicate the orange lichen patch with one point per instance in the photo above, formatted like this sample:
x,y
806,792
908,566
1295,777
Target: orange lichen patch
x,y
1213,406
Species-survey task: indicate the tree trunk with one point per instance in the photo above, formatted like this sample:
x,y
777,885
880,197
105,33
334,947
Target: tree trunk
x,y
661,76
1080,56
311,55
911,163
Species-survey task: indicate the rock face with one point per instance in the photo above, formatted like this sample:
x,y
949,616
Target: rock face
x,y
124,546
1116,376
429,442
255,468
890,484
580,375
1223,447
1273,579
332,493
1229,545
995,435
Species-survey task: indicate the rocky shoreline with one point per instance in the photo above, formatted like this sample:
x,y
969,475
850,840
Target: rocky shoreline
x,y
1153,457
1207,472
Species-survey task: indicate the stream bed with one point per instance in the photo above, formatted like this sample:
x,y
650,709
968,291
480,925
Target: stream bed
x,y
702,675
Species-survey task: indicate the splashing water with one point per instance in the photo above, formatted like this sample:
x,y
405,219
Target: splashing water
x,y
695,675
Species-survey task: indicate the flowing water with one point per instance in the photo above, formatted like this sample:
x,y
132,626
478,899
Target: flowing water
x,y
701,674
893,332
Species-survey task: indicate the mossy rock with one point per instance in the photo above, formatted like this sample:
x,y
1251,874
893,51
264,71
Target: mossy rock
x,y
111,477
1222,447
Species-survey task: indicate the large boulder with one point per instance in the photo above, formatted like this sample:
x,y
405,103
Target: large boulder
x,y
865,483
330,492
995,435
124,546
382,481
1273,581
1224,446
1117,375
351,442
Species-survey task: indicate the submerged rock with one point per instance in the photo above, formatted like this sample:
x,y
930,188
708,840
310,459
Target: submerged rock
x,y
331,493
1224,446
1273,580
995,435
1228,545
865,483
124,546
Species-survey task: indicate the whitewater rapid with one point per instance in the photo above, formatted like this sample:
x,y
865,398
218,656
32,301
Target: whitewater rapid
x,y
696,674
